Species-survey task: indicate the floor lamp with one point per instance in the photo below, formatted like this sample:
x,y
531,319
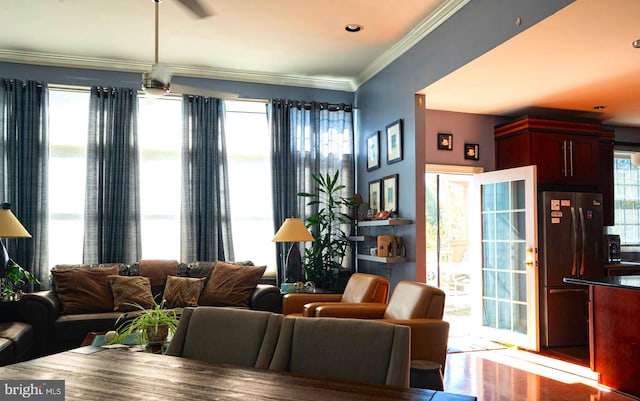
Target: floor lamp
x,y
293,230
10,227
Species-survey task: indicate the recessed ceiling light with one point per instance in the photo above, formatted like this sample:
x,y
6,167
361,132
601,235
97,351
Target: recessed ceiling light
x,y
353,28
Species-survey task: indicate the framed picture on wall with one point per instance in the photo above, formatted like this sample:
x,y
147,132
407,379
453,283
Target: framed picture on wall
x,y
445,141
373,151
390,194
394,141
375,195
472,151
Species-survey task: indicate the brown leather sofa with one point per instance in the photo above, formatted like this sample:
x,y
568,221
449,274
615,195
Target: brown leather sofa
x,y
54,331
16,340
361,287
412,304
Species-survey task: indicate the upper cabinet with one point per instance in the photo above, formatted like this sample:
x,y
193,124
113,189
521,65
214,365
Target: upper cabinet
x,y
568,155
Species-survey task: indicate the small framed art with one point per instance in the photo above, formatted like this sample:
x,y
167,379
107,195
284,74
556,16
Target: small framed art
x,y
394,141
472,151
373,151
445,141
390,193
375,195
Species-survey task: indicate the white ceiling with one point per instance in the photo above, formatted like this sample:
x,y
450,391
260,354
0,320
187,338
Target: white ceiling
x,y
248,40
576,59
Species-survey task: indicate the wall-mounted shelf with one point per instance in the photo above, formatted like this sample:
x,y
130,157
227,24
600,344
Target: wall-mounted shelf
x,y
382,259
388,222
366,238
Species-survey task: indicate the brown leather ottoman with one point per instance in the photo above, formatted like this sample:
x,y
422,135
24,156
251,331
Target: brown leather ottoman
x,y
16,339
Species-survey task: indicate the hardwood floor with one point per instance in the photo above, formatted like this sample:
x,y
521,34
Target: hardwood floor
x,y
514,375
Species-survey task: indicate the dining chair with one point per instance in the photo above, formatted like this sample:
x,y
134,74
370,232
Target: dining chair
x,y
227,335
350,349
361,287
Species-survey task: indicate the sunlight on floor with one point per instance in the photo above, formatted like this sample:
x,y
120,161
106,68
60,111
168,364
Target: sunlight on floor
x,y
515,375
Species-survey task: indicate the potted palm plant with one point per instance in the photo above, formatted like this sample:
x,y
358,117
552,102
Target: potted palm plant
x,y
329,225
151,325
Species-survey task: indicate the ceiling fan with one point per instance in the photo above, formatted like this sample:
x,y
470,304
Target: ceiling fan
x,y
157,81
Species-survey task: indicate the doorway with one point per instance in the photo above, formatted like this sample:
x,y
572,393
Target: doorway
x,y
452,232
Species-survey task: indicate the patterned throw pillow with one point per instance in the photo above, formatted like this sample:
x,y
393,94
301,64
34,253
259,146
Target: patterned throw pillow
x,y
84,289
130,290
231,284
182,291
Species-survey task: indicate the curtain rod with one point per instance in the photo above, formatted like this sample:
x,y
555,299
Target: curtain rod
x,y
307,105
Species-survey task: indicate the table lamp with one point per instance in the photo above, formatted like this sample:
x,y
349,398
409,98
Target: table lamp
x,y
293,230
10,227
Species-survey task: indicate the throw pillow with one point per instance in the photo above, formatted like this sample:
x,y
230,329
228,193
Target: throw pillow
x,y
231,284
182,291
130,290
84,290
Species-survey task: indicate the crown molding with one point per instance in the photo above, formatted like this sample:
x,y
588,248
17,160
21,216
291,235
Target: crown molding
x,y
419,32
59,60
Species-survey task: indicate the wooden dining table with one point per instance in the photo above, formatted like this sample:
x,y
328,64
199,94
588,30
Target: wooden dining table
x,y
121,374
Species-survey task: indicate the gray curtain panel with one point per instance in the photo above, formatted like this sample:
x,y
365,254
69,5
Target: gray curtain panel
x,y
112,200
307,138
205,215
24,153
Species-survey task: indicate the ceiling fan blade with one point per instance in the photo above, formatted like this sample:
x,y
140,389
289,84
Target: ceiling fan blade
x,y
192,90
196,7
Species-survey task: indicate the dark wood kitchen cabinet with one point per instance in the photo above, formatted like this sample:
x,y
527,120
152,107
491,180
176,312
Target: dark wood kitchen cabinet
x,y
571,156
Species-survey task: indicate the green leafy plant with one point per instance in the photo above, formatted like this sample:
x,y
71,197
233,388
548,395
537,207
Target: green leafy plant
x,y
12,285
143,320
329,225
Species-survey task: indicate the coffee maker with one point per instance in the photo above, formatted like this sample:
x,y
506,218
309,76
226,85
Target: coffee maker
x,y
612,248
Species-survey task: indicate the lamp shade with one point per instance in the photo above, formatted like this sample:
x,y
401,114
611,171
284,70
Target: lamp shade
x,y
10,227
292,230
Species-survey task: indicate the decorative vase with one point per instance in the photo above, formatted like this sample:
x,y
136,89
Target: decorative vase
x,y
157,334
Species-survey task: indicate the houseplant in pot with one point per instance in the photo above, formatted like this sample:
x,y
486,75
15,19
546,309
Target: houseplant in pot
x,y
329,224
151,325
16,278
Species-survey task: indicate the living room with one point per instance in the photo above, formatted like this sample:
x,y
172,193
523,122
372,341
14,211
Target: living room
x,y
385,97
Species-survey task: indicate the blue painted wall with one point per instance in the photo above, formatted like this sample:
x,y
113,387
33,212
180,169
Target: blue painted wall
x,y
476,28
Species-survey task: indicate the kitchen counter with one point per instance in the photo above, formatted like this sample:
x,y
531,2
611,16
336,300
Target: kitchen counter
x,y
627,282
622,269
614,330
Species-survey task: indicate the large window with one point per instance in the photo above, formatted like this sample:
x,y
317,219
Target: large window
x,y
626,178
160,142
68,125
159,139
248,144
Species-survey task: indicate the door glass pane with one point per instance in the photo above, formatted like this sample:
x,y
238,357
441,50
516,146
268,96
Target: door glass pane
x,y
504,256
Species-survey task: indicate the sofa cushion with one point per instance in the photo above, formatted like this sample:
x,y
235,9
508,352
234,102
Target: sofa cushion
x,y
182,291
130,290
84,290
231,284
72,329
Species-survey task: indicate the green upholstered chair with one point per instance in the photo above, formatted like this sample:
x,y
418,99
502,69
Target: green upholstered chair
x,y
350,349
226,335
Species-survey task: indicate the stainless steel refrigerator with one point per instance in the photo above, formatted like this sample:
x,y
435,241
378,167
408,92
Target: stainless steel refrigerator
x,y
570,245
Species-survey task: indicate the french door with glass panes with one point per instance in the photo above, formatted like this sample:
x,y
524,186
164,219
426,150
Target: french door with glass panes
x,y
509,258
